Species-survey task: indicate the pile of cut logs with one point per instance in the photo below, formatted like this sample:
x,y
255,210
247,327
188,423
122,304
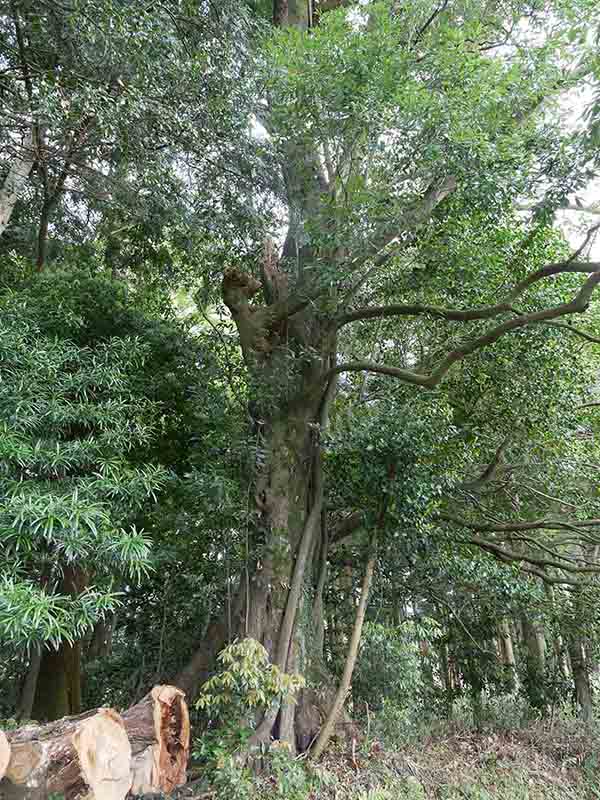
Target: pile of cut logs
x,y
100,755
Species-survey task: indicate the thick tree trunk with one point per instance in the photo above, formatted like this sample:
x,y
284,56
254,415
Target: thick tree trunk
x,y
535,659
288,353
307,719
506,645
535,642
262,610
30,685
58,690
101,755
288,492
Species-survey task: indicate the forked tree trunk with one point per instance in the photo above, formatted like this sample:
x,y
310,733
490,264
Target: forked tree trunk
x,y
289,351
101,755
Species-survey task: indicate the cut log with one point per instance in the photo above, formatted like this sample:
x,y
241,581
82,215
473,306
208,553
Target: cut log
x,y
4,754
159,731
104,757
88,756
101,755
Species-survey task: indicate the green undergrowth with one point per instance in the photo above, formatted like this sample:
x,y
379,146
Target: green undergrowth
x,y
540,761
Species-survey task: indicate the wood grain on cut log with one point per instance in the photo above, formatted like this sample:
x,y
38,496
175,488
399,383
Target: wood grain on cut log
x,y
4,754
104,756
159,731
100,755
88,756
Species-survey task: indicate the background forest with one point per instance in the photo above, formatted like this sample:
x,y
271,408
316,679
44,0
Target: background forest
x,y
299,385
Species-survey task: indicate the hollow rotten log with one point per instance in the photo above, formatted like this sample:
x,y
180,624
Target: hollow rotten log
x,y
159,731
100,755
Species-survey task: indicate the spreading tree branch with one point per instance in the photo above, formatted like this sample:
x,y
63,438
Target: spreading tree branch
x,y
582,334
489,472
539,561
520,525
468,314
576,306
429,22
533,564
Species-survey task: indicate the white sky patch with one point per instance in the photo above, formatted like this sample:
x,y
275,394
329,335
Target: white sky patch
x,y
358,18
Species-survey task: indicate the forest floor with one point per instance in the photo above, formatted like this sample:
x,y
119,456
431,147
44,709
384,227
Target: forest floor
x,y
541,761
552,762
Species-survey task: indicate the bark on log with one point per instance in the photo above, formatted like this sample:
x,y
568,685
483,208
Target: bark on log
x,y
88,756
159,731
100,755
